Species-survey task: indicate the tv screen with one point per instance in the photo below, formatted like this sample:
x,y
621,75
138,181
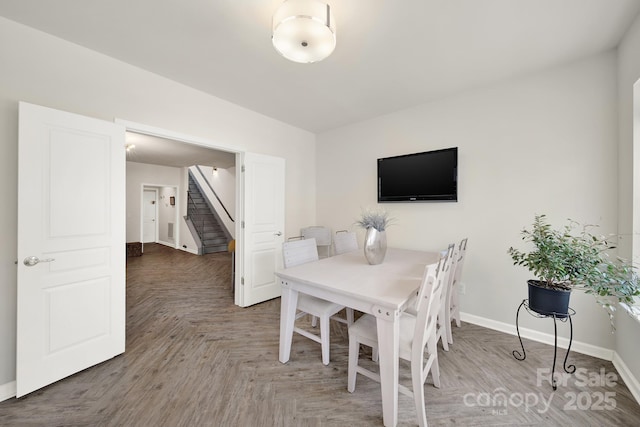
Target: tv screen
x,y
419,177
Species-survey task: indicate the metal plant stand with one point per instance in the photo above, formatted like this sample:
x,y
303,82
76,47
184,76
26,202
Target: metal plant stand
x,y
570,369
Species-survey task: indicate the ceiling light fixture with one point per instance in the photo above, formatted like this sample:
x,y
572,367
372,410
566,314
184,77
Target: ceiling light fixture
x,y
304,30
129,147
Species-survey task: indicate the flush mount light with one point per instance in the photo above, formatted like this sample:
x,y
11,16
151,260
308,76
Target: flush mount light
x,y
304,30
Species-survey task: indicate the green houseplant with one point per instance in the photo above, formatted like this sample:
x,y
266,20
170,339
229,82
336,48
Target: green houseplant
x,y
571,257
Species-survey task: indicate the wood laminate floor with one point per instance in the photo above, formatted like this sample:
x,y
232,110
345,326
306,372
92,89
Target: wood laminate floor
x,y
195,359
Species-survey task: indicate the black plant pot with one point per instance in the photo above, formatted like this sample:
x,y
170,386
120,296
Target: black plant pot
x,y
548,301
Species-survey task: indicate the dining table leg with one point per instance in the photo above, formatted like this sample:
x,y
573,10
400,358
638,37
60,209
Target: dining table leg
x,y
388,339
288,304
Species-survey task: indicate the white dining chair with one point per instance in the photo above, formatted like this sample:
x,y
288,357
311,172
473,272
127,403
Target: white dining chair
x,y
443,327
322,236
453,305
417,333
298,252
344,241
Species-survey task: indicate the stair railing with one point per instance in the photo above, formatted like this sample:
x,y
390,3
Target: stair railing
x,y
214,193
197,218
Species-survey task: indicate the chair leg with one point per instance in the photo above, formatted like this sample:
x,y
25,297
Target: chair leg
x,y
457,317
435,371
447,323
434,368
354,350
417,381
324,337
455,308
441,334
443,338
314,321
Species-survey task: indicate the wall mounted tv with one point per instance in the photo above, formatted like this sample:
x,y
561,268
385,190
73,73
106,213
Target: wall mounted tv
x,y
420,177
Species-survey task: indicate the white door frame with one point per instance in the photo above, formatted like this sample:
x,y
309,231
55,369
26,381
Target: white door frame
x,y
155,190
190,139
176,236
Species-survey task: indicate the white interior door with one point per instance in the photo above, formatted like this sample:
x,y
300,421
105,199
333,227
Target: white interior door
x,y
71,245
149,213
263,227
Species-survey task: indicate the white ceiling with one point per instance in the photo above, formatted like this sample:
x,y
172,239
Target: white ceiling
x,y
390,54
167,152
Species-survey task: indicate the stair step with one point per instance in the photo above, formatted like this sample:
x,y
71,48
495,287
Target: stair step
x,y
213,235
213,249
213,238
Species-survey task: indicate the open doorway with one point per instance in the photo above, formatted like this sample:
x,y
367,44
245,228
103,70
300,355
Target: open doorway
x,y
258,200
160,172
164,176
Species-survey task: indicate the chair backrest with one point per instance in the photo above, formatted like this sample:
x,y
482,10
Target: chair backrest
x,y
320,233
427,317
298,252
449,273
461,251
450,258
443,269
322,236
447,276
345,241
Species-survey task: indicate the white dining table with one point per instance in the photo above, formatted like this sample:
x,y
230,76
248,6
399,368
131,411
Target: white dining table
x,y
383,290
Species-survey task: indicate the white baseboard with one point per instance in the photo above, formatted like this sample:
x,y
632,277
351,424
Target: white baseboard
x,y
173,246
630,381
7,391
191,251
577,346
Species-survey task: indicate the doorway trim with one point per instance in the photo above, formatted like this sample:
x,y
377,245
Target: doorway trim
x,y
176,217
203,142
142,214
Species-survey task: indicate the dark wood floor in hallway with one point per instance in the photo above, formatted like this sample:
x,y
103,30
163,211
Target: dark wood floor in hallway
x,y
193,358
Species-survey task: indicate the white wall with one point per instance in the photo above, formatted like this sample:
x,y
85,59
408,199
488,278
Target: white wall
x,y
541,144
44,70
628,329
139,174
167,215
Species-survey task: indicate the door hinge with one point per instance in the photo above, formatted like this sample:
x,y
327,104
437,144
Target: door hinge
x,y
242,280
242,224
242,168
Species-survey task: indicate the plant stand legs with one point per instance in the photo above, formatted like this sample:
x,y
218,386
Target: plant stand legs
x,y
570,369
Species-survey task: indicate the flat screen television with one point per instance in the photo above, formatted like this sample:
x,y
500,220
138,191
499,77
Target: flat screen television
x,y
420,177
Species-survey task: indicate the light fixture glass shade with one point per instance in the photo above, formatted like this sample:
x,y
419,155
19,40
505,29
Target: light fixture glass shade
x,y
304,30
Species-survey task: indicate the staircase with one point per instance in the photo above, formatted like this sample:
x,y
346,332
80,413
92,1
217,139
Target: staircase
x,y
210,232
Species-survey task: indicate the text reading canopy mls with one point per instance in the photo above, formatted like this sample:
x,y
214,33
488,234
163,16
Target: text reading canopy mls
x,y
420,177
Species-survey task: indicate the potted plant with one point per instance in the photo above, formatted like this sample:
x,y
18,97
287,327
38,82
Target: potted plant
x,y
375,241
568,258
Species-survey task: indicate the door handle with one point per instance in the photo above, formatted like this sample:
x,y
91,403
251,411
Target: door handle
x,y
279,233
30,261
